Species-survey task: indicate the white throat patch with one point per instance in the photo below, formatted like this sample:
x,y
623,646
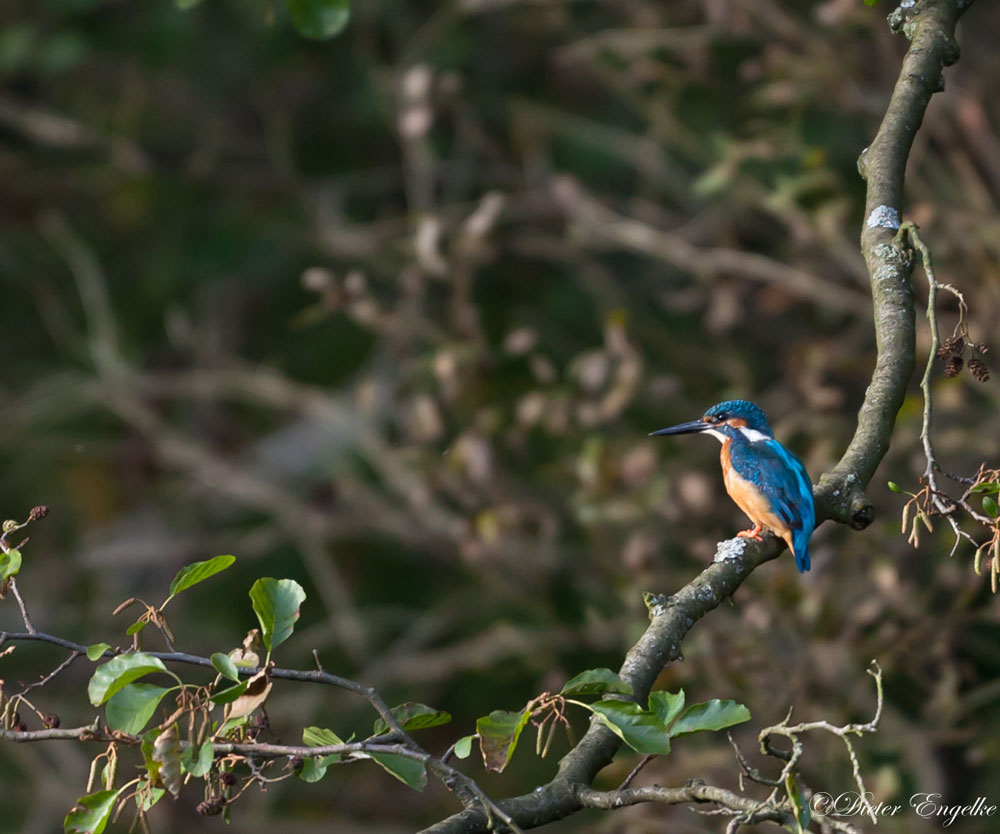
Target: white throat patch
x,y
753,435
718,435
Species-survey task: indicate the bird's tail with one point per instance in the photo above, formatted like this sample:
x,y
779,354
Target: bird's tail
x,y
800,547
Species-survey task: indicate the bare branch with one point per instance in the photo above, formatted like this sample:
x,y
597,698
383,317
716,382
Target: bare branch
x,y
742,806
793,732
840,493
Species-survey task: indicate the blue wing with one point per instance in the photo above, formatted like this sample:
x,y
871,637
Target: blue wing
x,y
784,480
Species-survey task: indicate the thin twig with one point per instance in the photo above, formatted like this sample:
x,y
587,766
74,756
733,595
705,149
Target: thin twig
x,y
908,232
793,732
645,760
20,604
62,666
751,773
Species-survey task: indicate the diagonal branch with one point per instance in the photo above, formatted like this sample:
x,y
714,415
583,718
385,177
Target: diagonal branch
x,y
930,26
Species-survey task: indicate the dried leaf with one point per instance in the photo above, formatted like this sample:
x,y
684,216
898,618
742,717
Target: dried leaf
x,y
167,752
255,694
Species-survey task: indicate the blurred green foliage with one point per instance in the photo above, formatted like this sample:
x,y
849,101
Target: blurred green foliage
x,y
390,315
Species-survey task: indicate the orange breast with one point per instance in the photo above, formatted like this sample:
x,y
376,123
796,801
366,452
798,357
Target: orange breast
x,y
750,499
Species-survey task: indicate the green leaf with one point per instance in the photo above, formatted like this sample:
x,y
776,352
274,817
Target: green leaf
x,y
225,696
990,506
136,627
498,735
224,665
463,747
799,803
184,5
413,717
710,715
596,682
131,707
10,564
91,814
198,762
666,705
320,737
96,651
319,18
276,603
988,487
198,572
894,486
231,724
642,730
118,673
406,770
147,796
314,769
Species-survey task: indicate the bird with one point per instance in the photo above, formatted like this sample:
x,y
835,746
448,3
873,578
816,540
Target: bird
x,y
766,481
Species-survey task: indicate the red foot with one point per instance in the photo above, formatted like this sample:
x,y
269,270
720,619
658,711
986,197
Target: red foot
x,y
752,534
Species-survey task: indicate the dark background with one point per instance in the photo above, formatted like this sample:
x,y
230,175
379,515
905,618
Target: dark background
x,y
392,315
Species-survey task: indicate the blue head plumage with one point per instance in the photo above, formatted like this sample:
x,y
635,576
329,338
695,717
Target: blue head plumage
x,y
753,415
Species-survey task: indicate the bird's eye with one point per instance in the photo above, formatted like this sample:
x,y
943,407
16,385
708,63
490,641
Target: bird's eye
x,y
721,417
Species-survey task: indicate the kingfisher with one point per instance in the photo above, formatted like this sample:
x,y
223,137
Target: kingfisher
x,y
765,480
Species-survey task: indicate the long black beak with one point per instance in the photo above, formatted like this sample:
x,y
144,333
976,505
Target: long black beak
x,y
683,428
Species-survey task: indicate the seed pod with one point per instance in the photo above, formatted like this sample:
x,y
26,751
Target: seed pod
x,y
979,370
953,367
211,807
956,344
